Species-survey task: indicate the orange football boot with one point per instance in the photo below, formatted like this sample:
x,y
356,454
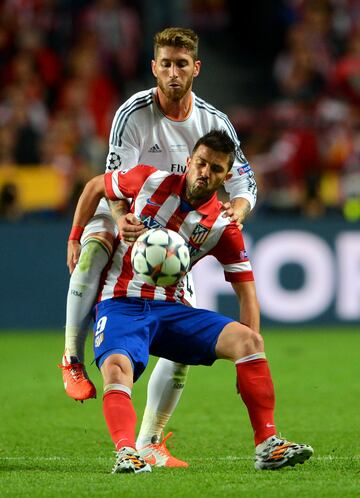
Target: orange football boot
x,y
76,381
158,455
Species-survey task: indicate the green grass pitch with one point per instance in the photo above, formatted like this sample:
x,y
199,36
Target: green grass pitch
x,y
51,446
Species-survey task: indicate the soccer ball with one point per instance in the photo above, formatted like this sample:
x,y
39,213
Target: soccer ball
x,y
160,257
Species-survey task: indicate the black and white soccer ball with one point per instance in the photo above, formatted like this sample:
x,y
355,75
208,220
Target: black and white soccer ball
x,y
160,257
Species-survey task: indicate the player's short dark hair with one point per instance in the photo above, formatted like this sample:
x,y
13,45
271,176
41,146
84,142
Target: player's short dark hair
x,y
177,37
219,141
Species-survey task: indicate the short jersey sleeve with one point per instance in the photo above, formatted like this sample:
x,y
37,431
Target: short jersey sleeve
x,y
126,184
231,253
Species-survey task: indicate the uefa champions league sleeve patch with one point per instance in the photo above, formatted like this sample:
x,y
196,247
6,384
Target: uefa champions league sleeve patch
x,y
113,161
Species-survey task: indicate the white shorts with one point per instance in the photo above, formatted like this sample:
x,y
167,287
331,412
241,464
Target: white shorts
x,y
189,290
102,221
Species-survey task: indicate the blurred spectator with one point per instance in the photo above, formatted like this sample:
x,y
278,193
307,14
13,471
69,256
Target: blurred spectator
x,y
297,71
209,16
287,163
345,81
89,90
7,145
10,208
27,120
117,26
32,44
66,66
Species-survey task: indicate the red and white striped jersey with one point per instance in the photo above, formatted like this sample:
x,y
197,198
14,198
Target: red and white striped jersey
x,y
157,202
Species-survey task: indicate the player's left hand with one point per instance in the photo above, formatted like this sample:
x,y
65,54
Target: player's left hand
x,y
231,214
73,254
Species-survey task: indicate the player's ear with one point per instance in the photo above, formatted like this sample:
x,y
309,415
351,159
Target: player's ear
x,y
228,176
153,68
188,160
197,67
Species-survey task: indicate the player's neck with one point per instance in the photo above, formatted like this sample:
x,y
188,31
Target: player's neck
x,y
194,202
178,110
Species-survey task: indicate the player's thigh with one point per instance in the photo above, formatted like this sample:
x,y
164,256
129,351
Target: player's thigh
x,y
101,227
187,335
121,327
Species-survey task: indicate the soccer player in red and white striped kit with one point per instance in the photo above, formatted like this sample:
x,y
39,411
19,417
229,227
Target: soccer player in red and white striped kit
x,y
134,319
158,126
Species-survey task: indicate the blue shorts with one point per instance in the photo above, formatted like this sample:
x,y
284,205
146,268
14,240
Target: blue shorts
x,y
139,327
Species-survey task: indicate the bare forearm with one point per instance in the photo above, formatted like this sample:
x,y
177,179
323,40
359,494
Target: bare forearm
x,y
248,303
250,314
94,190
241,207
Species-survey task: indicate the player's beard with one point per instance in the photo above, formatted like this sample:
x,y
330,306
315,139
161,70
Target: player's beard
x,y
197,191
175,94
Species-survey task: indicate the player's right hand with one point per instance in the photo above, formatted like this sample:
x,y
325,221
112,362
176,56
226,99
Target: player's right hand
x,y
130,228
73,254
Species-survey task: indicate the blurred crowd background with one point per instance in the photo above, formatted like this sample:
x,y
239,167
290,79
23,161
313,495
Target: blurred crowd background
x,y
286,72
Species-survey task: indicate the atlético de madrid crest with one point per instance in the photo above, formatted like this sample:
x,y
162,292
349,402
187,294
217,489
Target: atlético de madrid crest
x,y
199,234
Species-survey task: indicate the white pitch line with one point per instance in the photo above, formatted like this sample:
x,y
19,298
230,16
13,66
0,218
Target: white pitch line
x,y
226,458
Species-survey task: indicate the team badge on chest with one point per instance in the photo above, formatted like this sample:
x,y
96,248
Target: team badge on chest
x,y
199,234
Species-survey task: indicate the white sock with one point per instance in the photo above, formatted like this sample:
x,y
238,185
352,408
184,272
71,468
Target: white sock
x,y
165,387
83,288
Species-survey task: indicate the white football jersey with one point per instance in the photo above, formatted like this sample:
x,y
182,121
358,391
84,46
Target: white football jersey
x,y
142,134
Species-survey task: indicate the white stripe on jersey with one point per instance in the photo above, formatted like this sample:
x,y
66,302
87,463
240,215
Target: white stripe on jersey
x,y
114,272
115,186
149,186
213,238
135,287
192,219
238,267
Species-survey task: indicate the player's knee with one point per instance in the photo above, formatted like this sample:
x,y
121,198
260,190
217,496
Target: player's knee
x,y
117,369
247,342
237,340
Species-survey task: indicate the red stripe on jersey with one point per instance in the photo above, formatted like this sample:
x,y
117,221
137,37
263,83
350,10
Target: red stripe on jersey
x,y
246,276
176,219
157,198
108,186
148,291
231,250
129,183
126,274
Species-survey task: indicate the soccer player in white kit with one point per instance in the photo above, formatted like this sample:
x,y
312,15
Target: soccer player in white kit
x,y
158,126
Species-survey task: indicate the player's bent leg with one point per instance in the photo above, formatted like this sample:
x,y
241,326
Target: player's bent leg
x,y
237,340
246,348
82,292
120,415
165,387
